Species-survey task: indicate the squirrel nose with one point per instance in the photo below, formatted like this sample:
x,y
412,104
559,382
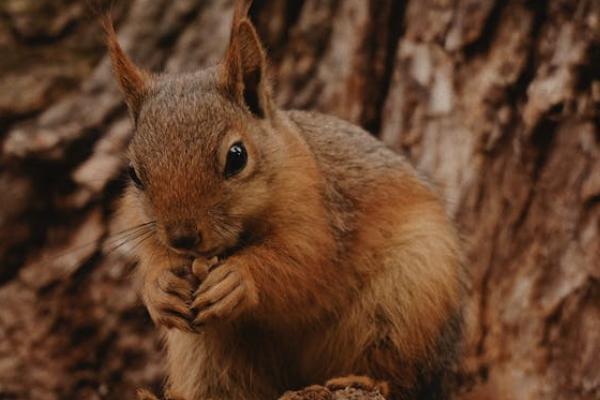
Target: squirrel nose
x,y
183,238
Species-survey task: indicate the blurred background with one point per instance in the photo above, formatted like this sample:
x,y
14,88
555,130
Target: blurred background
x,y
496,100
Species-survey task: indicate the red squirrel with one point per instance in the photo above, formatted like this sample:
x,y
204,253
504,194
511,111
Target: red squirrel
x,y
287,248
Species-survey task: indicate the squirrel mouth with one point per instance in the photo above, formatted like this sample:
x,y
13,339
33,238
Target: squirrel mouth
x,y
214,252
220,253
227,252
223,252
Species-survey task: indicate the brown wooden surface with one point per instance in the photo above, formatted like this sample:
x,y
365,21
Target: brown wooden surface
x,y
496,100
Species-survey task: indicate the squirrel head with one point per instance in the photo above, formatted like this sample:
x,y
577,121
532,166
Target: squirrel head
x,y
206,145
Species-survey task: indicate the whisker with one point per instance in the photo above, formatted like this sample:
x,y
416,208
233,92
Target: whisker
x,y
146,232
139,243
133,232
134,227
112,238
143,235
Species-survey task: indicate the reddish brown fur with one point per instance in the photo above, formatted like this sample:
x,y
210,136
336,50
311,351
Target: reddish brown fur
x,y
336,259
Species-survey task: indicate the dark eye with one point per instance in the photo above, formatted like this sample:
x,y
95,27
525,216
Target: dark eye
x,y
237,157
134,177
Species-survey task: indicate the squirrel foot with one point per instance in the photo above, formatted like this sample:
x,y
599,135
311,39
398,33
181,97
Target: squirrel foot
x,y
359,382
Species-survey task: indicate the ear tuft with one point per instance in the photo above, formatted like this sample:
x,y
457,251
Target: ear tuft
x,y
253,61
242,8
132,80
245,67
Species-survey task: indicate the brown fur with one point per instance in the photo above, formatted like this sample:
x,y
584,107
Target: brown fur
x,y
335,257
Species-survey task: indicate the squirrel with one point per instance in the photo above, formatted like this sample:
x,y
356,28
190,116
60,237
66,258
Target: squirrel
x,y
286,248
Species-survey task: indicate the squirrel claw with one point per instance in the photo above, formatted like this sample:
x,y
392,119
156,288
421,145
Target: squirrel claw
x,y
224,308
223,295
167,299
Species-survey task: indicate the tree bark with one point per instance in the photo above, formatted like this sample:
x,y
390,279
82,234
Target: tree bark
x,y
497,101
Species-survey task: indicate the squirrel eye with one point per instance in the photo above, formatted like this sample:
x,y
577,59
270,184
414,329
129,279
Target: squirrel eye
x,y
237,157
134,177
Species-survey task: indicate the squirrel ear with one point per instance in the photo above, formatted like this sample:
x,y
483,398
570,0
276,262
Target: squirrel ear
x,y
244,71
132,80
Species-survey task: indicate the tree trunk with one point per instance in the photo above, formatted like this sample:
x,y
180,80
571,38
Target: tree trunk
x,y
496,100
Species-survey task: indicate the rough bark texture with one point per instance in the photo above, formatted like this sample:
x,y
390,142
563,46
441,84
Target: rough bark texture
x,y
496,100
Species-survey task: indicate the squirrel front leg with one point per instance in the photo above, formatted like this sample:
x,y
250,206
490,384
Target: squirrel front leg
x,y
167,284
272,281
227,292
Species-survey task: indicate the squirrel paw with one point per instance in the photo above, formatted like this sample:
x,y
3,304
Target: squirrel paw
x,y
224,294
359,382
168,298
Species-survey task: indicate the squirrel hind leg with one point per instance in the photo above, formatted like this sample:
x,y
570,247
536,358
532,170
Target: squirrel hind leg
x,y
359,382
